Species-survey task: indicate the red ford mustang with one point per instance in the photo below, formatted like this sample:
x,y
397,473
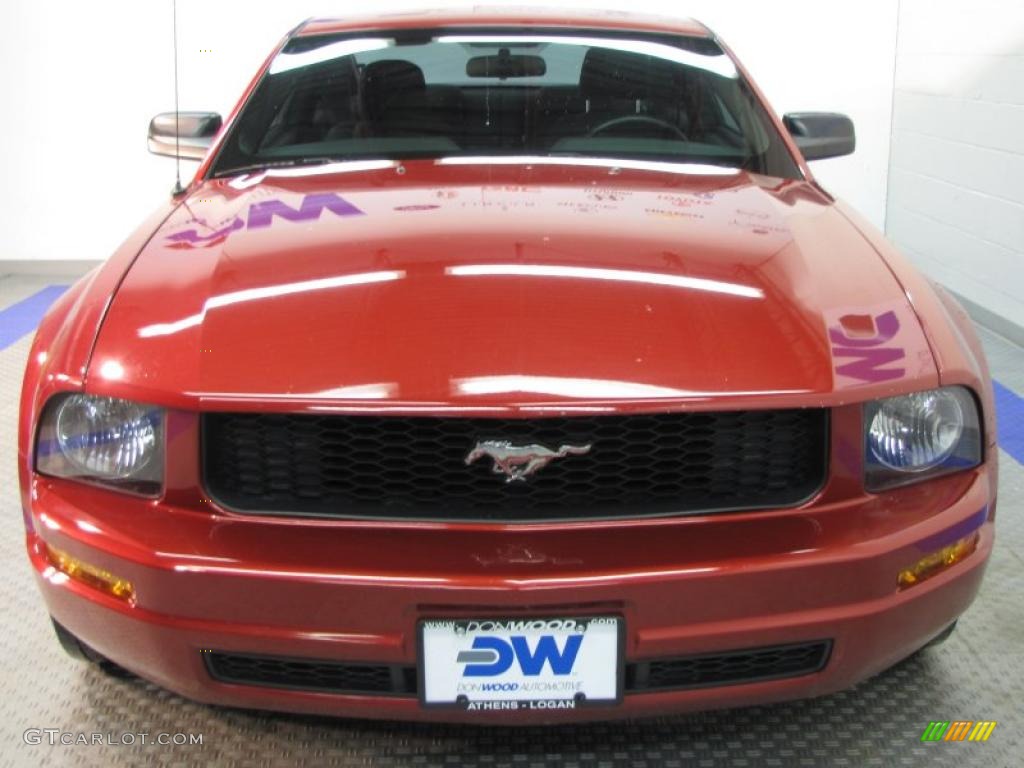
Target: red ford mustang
x,y
501,367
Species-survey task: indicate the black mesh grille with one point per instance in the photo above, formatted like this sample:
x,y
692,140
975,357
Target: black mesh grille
x,y
398,467
728,668
308,674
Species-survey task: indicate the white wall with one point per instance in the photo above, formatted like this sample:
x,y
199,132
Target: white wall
x,y
956,197
81,80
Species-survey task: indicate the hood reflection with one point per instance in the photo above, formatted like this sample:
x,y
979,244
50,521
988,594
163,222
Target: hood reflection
x,y
268,292
598,389
619,275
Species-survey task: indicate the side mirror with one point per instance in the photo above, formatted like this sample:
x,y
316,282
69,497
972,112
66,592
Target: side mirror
x,y
821,134
183,134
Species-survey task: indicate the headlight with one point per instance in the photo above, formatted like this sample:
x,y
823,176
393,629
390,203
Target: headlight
x,y
103,440
921,435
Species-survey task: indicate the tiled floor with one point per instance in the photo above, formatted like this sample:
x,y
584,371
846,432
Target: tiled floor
x,y
978,674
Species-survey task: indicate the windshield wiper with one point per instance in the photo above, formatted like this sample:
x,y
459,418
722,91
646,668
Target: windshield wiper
x,y
291,162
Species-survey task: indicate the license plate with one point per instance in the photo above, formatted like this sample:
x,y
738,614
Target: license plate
x,y
512,664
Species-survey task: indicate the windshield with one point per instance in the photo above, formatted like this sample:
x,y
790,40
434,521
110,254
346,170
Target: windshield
x,y
500,92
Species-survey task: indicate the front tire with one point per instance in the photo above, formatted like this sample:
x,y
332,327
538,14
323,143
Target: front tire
x,y
940,638
78,650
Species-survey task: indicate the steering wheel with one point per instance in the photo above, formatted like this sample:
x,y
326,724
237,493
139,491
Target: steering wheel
x,y
644,119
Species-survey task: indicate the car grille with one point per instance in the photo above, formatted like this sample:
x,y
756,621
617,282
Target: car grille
x,y
729,668
311,675
414,468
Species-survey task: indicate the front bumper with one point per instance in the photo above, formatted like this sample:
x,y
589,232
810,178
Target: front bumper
x,y
355,591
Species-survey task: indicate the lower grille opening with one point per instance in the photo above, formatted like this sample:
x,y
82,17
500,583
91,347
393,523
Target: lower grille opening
x,y
700,671
312,675
731,668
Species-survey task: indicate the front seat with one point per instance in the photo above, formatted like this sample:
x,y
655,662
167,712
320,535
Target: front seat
x,y
400,103
618,84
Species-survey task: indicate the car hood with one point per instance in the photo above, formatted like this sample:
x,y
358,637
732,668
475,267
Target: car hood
x,y
500,287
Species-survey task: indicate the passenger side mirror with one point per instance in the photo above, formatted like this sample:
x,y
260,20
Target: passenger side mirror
x,y
821,134
183,134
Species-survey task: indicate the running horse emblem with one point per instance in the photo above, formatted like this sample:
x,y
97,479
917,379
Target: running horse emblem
x,y
517,462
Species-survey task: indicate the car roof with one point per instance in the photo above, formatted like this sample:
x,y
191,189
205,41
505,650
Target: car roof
x,y
483,16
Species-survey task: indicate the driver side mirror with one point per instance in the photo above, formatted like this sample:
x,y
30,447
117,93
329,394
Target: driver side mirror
x,y
821,134
187,135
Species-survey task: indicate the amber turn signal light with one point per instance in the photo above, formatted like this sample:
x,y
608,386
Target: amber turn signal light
x,y
90,575
936,562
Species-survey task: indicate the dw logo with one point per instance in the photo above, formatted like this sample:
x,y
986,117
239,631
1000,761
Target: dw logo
x,y
864,340
493,656
262,215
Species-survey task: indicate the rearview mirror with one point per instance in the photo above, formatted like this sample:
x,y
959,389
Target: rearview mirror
x,y
505,65
183,134
821,134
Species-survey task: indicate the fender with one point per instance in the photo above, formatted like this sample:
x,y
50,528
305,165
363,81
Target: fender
x,y
972,347
63,343
954,342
